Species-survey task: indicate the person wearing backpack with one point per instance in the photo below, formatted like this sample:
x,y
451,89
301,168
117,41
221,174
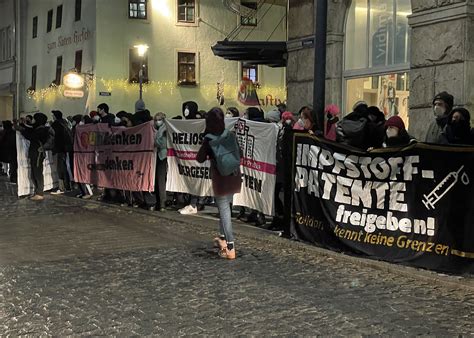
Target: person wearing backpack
x,y
41,139
63,146
221,147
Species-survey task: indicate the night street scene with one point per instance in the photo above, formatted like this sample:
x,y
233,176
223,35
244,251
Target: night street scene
x,y
236,168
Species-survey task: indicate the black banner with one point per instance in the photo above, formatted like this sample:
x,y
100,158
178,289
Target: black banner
x,y
413,206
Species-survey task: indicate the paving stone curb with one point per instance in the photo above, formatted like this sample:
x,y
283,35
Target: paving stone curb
x,y
449,281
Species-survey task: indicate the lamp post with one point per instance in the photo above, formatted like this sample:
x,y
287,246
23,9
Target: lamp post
x,y
141,50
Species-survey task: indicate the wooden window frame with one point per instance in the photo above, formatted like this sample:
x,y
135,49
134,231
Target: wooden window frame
x,y
133,60
138,3
180,64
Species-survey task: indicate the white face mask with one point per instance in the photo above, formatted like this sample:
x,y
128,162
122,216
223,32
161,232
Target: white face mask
x,y
391,132
288,122
96,118
439,111
228,115
159,123
81,123
186,112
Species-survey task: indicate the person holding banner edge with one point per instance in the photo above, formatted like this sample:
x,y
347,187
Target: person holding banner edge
x,y
224,186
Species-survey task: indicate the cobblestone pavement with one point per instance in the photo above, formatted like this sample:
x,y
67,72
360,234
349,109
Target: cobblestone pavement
x,y
72,267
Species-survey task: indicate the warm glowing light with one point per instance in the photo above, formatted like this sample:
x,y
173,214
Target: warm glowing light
x,y
161,7
73,80
141,49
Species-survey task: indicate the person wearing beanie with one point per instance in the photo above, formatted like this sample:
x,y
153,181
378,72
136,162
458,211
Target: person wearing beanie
x,y
396,134
458,128
139,105
442,106
63,146
273,116
332,117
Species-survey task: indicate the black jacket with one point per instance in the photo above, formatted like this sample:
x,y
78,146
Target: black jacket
x,y
63,141
38,136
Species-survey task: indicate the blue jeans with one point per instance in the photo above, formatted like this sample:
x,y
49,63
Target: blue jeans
x,y
225,222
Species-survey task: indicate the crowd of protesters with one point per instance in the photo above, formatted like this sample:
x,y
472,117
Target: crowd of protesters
x,y
364,128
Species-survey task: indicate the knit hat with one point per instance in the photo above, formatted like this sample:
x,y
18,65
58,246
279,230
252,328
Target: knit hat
x,y
446,98
332,109
358,104
287,116
57,114
139,105
273,115
395,121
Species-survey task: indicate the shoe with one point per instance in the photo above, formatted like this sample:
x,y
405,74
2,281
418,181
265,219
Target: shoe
x,y
200,207
86,197
151,208
188,210
57,192
36,198
220,243
260,219
79,195
135,205
241,214
252,217
226,253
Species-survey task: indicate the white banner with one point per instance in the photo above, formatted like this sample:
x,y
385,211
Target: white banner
x,y
25,183
258,143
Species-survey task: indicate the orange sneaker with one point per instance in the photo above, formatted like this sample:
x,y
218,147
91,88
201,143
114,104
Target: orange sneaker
x,y
219,243
227,254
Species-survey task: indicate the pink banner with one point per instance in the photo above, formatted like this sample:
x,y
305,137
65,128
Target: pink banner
x,y
115,157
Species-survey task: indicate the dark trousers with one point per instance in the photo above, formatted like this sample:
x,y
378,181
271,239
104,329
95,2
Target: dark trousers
x,y
13,171
160,182
61,167
36,162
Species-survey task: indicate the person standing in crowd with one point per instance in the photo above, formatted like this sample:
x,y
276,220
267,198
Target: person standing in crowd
x,y
232,112
332,117
105,116
442,106
305,122
63,146
8,150
161,162
274,116
224,187
396,134
41,139
458,128
94,116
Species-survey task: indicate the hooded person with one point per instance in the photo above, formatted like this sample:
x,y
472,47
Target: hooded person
x,y
255,114
442,106
8,153
332,117
396,134
273,116
190,110
458,128
139,105
63,145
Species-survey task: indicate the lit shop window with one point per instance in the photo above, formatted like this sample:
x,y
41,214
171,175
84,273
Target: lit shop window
x,y
137,62
249,72
251,19
187,11
137,9
187,69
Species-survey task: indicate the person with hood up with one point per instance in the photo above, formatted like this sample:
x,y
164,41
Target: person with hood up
x,y
254,114
224,187
41,139
442,106
63,146
332,117
8,152
396,134
190,110
458,128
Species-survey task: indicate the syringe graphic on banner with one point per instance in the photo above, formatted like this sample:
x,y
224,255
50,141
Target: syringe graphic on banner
x,y
443,187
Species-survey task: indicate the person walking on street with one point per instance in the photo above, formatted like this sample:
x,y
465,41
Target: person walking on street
x,y
221,147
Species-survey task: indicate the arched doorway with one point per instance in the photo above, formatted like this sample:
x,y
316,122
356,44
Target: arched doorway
x,y
377,55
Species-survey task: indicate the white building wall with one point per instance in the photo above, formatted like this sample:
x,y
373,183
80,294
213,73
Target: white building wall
x,y
7,64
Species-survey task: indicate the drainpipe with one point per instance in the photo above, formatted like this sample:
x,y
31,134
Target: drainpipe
x,y
319,85
16,101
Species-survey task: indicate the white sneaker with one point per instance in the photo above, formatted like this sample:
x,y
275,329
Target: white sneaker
x,y
189,210
57,192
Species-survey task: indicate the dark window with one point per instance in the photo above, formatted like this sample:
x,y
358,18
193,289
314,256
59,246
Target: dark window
x,y
78,61
250,72
35,27
77,15
249,20
135,63
50,21
59,16
187,69
186,10
137,9
33,78
59,70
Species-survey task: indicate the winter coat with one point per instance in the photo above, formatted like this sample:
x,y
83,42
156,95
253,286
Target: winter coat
x,y
402,140
37,136
8,146
435,129
63,140
161,142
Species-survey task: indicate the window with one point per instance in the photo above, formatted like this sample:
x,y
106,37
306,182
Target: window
x,y
35,27
6,43
137,9
33,78
187,69
187,11
137,62
250,72
78,61
50,21
251,19
59,16
77,12
59,70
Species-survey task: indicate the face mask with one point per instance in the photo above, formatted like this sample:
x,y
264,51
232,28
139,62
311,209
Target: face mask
x,y
159,123
228,115
186,112
73,123
96,118
288,122
438,111
81,123
391,133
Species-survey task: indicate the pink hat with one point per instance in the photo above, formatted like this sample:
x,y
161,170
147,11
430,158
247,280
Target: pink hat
x,y
287,116
395,121
332,109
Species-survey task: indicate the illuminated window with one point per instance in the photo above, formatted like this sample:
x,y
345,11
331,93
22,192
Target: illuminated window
x,y
137,9
249,20
137,62
187,69
187,11
250,72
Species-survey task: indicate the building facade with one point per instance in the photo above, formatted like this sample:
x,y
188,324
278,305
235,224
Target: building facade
x,y
395,54
98,38
7,58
